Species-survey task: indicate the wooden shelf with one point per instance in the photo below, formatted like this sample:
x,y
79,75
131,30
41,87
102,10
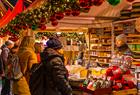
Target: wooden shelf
x,y
133,36
100,56
102,43
103,63
103,37
101,50
134,43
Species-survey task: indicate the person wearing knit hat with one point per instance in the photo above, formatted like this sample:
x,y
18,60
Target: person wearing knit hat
x,y
56,80
54,43
121,40
4,57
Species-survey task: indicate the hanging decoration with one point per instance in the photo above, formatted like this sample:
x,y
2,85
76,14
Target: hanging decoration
x,y
97,2
50,12
114,2
130,0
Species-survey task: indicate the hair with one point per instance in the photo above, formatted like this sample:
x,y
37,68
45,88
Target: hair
x,y
28,41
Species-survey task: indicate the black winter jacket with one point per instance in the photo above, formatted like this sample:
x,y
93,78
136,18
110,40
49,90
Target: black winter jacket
x,y
56,80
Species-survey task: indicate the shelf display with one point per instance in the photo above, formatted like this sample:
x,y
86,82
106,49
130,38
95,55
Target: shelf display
x,y
100,45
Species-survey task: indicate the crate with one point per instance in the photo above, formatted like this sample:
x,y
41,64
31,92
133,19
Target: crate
x,y
126,92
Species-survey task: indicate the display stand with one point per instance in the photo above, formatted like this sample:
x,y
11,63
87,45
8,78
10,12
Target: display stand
x,y
79,90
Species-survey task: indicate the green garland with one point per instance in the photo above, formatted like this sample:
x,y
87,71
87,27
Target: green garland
x,y
51,11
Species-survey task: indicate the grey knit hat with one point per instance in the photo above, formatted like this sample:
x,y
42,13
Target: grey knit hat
x,y
9,42
122,37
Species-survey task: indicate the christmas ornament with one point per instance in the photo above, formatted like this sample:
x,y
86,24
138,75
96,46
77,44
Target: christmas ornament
x,y
130,0
59,15
42,26
83,3
75,12
68,12
55,23
113,2
97,2
34,27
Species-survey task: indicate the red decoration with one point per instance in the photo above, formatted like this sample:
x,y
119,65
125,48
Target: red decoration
x,y
55,23
75,12
68,12
83,3
130,0
43,27
97,2
59,15
52,18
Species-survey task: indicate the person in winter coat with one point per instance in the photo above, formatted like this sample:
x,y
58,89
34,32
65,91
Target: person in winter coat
x,y
123,56
4,57
56,74
27,58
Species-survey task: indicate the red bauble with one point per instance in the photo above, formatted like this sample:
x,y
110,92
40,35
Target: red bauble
x,y
68,12
8,32
130,0
59,15
97,2
43,27
52,18
83,3
75,12
55,23
24,27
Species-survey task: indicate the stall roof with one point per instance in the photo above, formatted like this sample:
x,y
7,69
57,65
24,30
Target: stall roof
x,y
98,16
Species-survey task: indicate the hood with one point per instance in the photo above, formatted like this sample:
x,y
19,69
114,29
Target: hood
x,y
49,53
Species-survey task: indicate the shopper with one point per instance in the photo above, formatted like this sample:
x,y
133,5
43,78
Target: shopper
x,y
123,55
13,71
56,79
38,50
27,58
4,56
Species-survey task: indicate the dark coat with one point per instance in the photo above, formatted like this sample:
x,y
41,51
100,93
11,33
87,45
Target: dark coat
x,y
56,79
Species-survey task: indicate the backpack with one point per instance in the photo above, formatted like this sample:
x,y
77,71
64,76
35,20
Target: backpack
x,y
13,69
37,79
37,76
